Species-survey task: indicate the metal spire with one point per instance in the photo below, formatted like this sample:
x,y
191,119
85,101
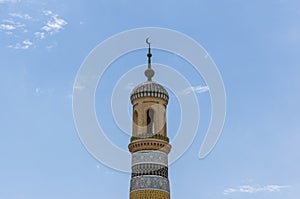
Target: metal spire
x,y
149,72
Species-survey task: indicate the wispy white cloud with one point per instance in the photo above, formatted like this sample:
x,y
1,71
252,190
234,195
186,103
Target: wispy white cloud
x,y
40,35
23,45
47,12
16,24
7,27
27,42
196,89
54,24
26,31
254,189
20,16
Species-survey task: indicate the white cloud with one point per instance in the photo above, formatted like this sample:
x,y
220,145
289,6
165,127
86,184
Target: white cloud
x,y
196,89
54,24
21,16
13,23
26,44
10,26
18,26
47,12
7,27
39,35
254,189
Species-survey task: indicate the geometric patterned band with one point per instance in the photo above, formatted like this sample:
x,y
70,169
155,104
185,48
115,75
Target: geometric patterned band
x,y
149,169
149,156
149,183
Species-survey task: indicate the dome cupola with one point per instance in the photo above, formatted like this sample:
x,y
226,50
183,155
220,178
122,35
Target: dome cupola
x,y
149,89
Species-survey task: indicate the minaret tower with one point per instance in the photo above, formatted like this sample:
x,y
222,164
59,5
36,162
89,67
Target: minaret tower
x,y
149,144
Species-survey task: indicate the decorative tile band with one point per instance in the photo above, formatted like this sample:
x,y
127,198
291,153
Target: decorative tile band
x,y
149,156
149,169
149,194
149,182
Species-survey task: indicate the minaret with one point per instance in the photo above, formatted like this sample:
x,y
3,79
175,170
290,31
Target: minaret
x,y
149,144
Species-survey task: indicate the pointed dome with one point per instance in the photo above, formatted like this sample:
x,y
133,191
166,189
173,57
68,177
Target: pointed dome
x,y
149,89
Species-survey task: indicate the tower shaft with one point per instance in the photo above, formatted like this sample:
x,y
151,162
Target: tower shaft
x,y
149,144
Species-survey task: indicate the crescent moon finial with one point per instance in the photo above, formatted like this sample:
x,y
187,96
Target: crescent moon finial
x,y
147,41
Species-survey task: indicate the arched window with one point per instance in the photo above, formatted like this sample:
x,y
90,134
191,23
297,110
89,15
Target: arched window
x,y
135,121
135,117
150,121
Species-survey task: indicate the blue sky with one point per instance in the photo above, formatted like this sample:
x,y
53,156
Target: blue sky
x,y
255,45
